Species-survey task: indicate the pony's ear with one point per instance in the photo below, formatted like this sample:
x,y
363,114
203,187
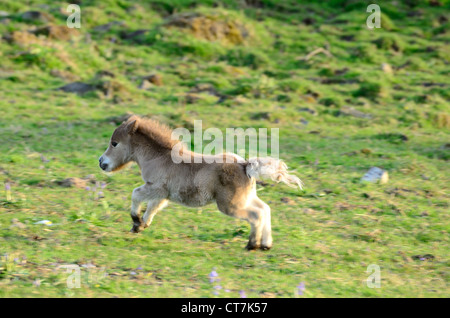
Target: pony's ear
x,y
132,127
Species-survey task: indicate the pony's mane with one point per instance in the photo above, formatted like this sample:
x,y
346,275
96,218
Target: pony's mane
x,y
154,130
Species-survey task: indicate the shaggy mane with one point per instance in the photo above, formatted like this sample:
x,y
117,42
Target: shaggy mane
x,y
154,130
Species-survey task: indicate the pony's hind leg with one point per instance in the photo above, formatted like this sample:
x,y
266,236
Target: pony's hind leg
x,y
261,225
266,239
255,217
243,203
251,212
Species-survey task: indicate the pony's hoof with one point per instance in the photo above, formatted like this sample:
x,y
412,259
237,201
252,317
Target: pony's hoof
x,y
136,229
251,247
265,247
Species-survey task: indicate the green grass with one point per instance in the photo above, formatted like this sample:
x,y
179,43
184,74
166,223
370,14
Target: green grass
x,y
325,236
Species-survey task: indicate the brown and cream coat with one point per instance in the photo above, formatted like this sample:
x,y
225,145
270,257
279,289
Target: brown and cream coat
x,y
230,184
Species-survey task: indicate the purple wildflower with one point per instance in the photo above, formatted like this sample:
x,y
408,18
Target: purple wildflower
x,y
103,185
216,293
139,268
133,273
300,288
213,276
88,188
242,294
7,186
36,283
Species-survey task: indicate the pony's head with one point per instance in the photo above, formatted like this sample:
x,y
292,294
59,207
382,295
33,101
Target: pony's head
x,y
119,152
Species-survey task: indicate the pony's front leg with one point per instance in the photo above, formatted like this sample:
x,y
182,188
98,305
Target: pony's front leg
x,y
155,196
139,195
153,207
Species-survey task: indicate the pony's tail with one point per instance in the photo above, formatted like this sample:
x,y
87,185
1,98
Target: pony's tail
x,y
271,168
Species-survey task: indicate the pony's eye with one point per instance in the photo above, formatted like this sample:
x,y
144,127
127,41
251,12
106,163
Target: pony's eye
x,y
114,144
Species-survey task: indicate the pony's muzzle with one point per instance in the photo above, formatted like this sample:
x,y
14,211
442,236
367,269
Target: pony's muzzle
x,y
102,165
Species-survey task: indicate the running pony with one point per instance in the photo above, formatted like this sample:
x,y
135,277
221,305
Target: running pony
x,y
231,184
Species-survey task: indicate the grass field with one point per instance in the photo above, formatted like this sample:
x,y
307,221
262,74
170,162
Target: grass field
x,y
376,97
